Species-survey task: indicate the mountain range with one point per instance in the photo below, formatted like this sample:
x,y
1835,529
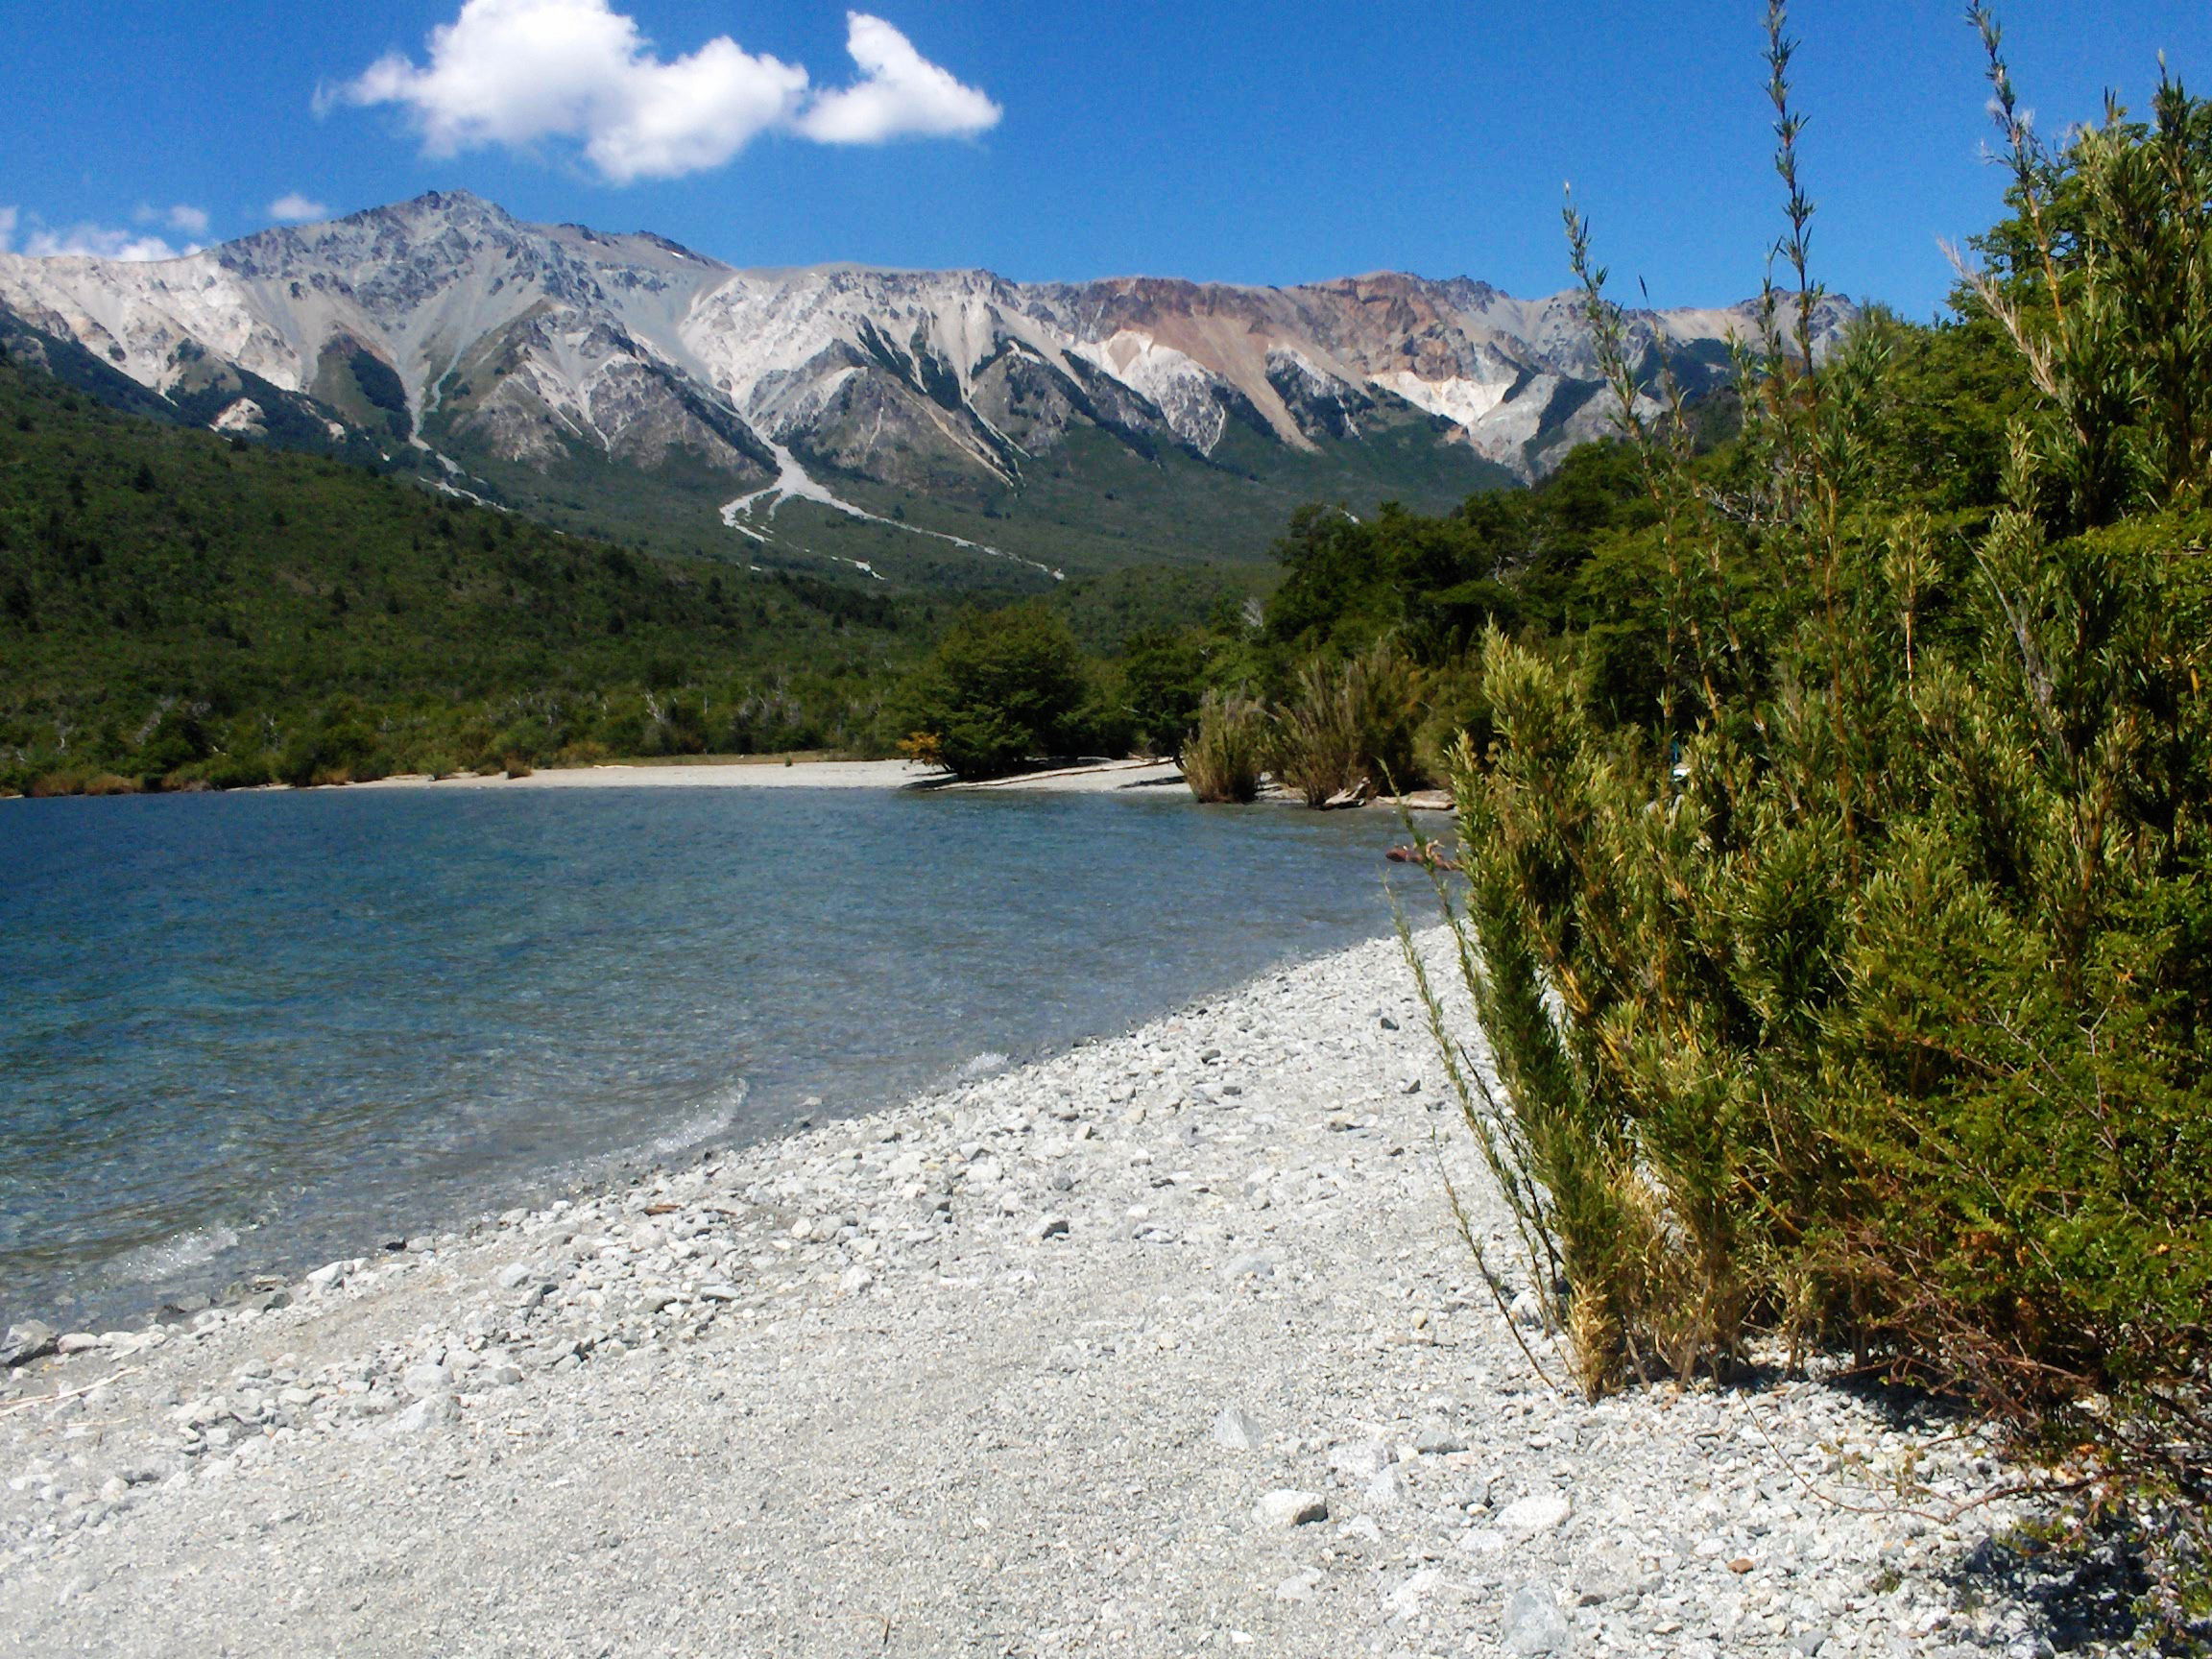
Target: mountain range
x,y
944,427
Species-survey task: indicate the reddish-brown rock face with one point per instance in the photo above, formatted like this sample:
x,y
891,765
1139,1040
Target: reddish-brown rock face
x,y
442,320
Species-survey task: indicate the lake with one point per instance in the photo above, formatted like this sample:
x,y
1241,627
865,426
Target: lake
x,y
254,1032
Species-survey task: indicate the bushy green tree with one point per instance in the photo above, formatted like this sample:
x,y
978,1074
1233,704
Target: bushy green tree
x,y
1002,689
1164,680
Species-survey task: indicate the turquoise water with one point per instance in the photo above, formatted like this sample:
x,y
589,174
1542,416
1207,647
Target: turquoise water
x,y
252,1032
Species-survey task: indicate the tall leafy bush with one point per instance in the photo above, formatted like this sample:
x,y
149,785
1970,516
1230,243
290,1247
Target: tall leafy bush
x,y
1854,982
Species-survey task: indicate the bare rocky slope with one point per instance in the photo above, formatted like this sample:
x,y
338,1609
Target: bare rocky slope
x,y
445,330
1164,1346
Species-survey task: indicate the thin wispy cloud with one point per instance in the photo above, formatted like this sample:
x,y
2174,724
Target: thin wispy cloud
x,y
41,241
293,209
182,218
522,73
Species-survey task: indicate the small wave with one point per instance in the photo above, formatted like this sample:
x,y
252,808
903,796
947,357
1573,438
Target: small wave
x,y
172,1256
980,1066
713,1118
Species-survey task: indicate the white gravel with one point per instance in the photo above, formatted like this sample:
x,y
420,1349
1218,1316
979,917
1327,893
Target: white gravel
x,y
1164,1346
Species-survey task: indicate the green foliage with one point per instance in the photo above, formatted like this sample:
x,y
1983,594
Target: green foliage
x,y
1003,687
1349,729
1163,681
1835,904
1844,965
1509,557
1092,506
177,610
1226,755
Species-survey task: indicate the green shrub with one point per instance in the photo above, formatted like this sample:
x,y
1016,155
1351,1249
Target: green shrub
x,y
1455,707
1857,985
328,752
1224,758
1164,676
239,771
1349,729
1315,747
1003,687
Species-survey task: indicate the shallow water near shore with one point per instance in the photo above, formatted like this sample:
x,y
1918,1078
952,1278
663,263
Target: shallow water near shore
x,y
248,1033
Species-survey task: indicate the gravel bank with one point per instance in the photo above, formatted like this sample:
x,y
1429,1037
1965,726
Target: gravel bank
x,y
696,775
1164,1346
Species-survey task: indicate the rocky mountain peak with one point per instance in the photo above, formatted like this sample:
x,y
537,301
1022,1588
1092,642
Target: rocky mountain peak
x,y
448,323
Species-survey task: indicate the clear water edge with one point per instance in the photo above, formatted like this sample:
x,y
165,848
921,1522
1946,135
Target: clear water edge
x,y
251,1033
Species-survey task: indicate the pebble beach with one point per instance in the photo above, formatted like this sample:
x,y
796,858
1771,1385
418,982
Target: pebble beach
x,y
1164,1345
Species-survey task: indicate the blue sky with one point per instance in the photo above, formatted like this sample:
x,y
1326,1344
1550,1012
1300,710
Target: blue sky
x,y
1244,140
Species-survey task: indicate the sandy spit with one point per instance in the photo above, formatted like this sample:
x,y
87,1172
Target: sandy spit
x,y
1161,1346
1101,779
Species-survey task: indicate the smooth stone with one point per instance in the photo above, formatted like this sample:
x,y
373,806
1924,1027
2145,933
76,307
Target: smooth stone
x,y
425,1378
1360,1459
1406,1600
1537,1512
1439,1443
513,1275
27,1340
426,1413
1288,1509
1533,1622
1235,1430
1051,1227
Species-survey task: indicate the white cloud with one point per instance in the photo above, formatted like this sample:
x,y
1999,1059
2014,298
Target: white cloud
x,y
88,241
183,217
518,72
900,94
101,242
292,208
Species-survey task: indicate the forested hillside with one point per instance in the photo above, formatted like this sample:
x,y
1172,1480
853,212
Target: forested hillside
x,y
179,607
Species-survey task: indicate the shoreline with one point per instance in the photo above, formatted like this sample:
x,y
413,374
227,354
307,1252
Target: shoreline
x,y
258,1238
748,773
1162,1344
1136,777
